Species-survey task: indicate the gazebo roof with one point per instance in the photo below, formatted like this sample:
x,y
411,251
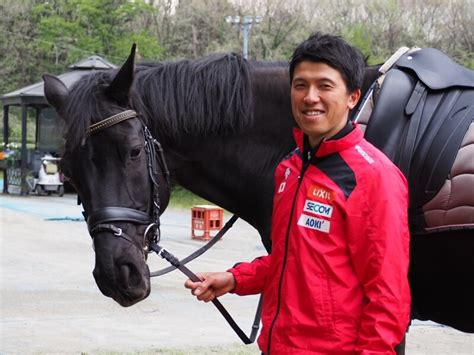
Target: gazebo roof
x,y
93,62
34,94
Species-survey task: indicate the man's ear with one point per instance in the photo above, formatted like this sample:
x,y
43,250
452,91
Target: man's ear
x,y
119,88
55,92
353,99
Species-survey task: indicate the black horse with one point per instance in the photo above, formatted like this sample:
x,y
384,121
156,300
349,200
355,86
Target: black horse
x,y
224,123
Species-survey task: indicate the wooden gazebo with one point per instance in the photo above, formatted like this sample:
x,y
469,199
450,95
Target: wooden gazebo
x,y
32,96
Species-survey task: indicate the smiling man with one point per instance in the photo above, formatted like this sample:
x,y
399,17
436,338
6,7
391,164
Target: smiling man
x,y
336,280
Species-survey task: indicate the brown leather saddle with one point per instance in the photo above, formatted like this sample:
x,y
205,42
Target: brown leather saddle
x,y
422,119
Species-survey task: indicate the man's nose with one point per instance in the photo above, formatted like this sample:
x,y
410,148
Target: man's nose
x,y
312,96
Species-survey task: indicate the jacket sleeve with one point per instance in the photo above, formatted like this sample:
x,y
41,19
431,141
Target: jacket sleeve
x,y
250,277
378,238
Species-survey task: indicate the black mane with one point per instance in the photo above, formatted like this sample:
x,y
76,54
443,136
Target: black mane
x,y
201,97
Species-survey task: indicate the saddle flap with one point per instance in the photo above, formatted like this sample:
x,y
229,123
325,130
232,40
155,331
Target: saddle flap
x,y
386,126
436,70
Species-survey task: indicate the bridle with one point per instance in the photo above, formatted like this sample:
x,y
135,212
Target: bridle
x,y
103,219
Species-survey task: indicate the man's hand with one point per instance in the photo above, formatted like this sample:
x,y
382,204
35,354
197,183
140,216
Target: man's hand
x,y
213,284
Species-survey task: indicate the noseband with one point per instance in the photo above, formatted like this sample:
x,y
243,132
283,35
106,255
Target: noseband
x,y
102,219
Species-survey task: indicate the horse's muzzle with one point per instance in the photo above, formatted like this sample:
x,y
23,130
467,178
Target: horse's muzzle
x,y
121,271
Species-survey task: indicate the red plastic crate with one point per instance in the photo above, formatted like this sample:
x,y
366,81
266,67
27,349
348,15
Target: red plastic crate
x,y
206,219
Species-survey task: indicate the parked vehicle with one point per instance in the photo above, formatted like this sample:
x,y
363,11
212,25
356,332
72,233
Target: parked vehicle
x,y
47,179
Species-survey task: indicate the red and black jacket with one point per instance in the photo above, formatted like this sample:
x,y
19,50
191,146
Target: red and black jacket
x,y
336,281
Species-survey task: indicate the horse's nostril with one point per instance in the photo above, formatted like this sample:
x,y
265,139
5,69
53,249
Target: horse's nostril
x,y
129,275
124,273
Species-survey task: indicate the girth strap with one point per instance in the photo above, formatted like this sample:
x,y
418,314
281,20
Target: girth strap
x,y
414,111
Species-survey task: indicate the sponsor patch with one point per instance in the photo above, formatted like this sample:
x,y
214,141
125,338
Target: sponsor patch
x,y
318,208
316,191
314,223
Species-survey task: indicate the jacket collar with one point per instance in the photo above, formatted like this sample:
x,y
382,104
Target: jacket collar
x,y
334,144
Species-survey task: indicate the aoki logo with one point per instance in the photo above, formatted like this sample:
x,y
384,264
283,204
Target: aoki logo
x,y
314,223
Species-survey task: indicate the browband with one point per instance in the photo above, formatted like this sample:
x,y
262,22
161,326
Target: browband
x,y
110,121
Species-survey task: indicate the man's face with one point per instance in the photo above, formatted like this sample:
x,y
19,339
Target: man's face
x,y
319,100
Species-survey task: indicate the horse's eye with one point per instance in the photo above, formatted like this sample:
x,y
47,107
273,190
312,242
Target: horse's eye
x,y
135,152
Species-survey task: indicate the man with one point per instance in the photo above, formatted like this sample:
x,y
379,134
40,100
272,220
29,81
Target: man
x,y
336,279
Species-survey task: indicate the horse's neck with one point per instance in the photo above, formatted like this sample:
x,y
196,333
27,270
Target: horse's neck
x,y
235,171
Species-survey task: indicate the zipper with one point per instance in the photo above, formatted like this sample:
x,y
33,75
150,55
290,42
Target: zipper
x,y
280,284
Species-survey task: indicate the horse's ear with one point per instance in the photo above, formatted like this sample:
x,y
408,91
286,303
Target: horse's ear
x,y
119,88
55,91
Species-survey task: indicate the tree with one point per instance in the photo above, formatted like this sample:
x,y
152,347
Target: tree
x,y
197,28
104,27
18,62
38,36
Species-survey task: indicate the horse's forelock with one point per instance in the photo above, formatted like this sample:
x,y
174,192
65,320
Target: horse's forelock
x,y
85,106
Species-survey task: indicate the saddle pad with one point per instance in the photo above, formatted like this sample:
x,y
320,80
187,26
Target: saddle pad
x,y
453,205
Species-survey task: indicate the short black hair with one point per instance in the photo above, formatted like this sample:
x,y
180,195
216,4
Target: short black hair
x,y
335,52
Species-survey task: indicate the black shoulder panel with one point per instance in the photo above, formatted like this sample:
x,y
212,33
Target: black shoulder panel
x,y
337,169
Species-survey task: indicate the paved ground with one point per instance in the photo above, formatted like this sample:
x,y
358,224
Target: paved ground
x,y
49,302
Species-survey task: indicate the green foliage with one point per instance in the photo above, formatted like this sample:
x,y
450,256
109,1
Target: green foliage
x,y
185,199
38,36
357,36
68,30
147,45
464,59
15,126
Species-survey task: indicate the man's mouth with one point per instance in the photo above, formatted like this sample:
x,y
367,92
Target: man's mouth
x,y
313,113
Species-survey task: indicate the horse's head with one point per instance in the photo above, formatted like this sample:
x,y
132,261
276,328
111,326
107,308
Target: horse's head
x,y
119,174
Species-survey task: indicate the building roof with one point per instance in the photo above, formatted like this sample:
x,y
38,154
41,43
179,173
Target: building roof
x,y
34,94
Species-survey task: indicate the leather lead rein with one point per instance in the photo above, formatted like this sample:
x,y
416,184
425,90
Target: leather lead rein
x,y
165,254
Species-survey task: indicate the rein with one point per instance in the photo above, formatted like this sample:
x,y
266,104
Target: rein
x,y
165,254
101,220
